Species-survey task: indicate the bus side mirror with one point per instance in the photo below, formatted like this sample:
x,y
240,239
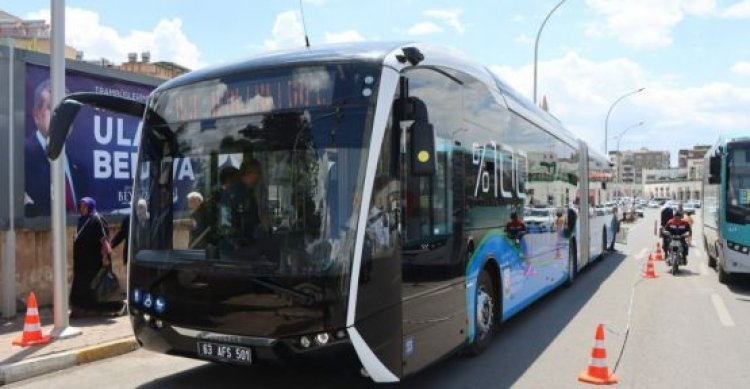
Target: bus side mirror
x,y
59,126
714,169
421,136
422,148
66,112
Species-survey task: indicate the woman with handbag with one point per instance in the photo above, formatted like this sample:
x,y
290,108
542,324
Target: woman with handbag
x,y
91,254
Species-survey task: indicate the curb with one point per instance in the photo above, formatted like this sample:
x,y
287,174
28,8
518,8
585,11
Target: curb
x,y
34,367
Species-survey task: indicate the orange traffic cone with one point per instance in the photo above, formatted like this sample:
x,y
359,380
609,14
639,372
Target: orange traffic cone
x,y
659,254
32,329
650,272
598,372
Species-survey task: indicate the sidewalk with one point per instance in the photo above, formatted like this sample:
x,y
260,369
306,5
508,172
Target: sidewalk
x,y
101,338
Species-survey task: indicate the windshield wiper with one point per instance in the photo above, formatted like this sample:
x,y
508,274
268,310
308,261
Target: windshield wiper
x,y
302,297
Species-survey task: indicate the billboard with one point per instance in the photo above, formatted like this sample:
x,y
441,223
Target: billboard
x,y
101,150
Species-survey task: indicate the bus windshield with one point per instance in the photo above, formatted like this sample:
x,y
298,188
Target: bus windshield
x,y
738,184
262,172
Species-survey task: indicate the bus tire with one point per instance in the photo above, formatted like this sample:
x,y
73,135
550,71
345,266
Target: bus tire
x,y
486,317
711,258
572,263
724,277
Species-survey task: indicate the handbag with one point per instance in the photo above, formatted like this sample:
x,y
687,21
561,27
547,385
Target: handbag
x,y
105,286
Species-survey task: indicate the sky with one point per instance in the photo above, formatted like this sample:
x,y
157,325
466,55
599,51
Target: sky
x,y
691,56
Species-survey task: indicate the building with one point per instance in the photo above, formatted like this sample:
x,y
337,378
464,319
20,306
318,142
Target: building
x,y
629,165
161,69
697,152
651,176
694,168
32,35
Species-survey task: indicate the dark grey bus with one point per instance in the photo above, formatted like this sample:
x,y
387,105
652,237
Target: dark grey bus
x,y
377,205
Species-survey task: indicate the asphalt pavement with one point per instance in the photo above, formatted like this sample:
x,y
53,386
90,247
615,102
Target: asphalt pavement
x,y
686,331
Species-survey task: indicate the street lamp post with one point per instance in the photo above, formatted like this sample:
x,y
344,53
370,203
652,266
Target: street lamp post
x,y
609,112
536,44
617,152
62,327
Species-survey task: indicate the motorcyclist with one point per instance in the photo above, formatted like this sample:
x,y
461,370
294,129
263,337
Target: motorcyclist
x,y
677,226
667,213
515,228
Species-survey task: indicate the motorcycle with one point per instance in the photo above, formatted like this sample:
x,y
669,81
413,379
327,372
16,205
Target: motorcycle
x,y
675,251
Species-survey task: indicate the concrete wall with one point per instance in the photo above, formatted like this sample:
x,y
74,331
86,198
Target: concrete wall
x,y
34,264
674,190
34,261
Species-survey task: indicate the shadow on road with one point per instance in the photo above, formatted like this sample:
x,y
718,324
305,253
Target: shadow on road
x,y
740,284
522,339
519,343
258,376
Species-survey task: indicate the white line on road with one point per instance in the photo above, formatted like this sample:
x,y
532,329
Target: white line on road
x,y
724,317
642,254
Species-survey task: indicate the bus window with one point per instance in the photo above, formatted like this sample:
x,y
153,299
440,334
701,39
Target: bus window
x,y
428,200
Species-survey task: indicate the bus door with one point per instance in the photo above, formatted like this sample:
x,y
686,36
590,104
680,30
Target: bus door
x,y
434,258
584,210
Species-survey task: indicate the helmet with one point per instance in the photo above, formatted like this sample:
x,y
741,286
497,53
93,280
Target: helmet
x,y
678,214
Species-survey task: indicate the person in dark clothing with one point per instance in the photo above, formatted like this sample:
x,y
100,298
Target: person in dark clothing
x,y
87,260
141,226
241,205
667,213
678,227
515,228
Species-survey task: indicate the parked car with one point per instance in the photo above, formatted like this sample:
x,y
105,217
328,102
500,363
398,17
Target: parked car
x,y
689,208
539,219
653,204
639,209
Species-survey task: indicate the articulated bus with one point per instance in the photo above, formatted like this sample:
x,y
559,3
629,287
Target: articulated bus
x,y
726,206
362,205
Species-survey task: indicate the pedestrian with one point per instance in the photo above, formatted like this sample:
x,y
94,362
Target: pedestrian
x,y
560,229
199,221
615,228
689,220
89,246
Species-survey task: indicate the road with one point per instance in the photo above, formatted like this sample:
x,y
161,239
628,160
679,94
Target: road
x,y
687,331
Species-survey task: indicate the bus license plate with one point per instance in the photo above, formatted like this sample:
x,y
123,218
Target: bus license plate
x,y
225,353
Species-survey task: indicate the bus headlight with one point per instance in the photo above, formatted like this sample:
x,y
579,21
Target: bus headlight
x,y
160,306
305,342
322,338
738,247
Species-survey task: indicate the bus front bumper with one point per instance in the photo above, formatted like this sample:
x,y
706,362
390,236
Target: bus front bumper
x,y
735,261
160,336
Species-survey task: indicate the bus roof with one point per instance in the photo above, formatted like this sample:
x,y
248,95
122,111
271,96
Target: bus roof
x,y
361,51
378,52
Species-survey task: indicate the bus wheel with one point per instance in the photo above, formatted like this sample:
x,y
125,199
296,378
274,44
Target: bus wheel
x,y
572,264
486,308
711,258
724,277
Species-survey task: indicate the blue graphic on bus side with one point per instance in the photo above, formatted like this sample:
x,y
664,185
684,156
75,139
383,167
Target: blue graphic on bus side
x,y
529,268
